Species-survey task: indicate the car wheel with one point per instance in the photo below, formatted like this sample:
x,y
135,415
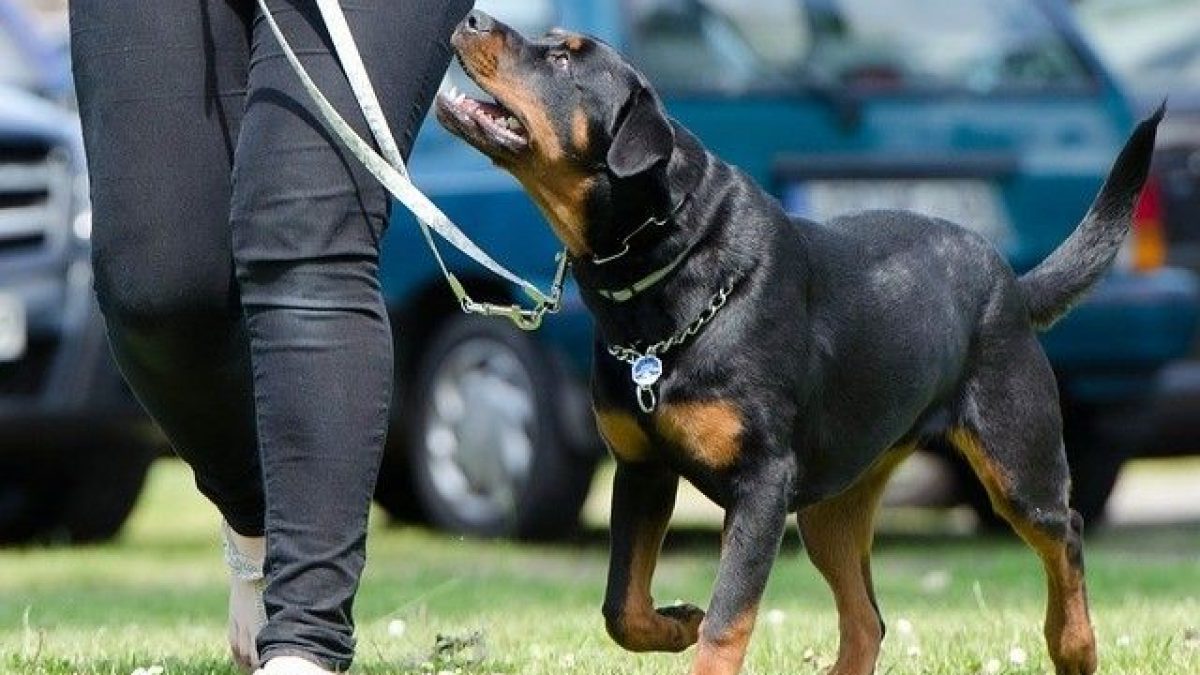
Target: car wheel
x,y
487,436
81,490
394,490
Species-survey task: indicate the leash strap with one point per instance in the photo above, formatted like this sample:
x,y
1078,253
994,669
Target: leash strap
x,y
393,174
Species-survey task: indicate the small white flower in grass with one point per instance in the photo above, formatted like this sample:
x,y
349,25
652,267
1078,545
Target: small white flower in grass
x,y
904,627
396,628
935,581
1124,641
809,655
913,651
1017,656
776,617
992,666
567,661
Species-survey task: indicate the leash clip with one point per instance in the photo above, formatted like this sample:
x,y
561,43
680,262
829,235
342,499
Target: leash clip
x,y
525,319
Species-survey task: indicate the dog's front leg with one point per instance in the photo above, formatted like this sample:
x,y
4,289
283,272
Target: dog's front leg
x,y
643,499
754,525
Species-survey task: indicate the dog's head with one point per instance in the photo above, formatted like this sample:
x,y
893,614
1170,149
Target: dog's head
x,y
574,122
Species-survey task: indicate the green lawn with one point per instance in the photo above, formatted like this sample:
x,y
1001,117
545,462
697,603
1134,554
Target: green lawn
x,y
953,603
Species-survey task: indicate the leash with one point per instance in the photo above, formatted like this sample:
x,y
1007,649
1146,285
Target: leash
x,y
391,171
645,366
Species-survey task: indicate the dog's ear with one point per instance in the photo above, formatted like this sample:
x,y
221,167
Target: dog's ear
x,y
642,137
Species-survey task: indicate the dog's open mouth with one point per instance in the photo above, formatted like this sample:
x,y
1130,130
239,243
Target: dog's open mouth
x,y
487,125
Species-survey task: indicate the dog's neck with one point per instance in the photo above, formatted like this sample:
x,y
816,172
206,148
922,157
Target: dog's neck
x,y
688,238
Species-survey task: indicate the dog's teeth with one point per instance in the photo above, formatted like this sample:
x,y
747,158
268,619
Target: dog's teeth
x,y
513,124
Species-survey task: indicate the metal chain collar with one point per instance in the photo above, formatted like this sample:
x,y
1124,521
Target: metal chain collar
x,y
647,367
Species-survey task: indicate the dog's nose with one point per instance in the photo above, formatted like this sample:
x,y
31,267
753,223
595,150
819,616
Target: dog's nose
x,y
479,22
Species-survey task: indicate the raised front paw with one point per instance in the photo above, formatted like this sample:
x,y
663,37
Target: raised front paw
x,y
687,619
669,629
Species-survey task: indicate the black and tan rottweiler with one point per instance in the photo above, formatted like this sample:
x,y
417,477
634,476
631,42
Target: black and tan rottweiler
x,y
782,366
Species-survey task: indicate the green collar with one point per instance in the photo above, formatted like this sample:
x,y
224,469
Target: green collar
x,y
627,293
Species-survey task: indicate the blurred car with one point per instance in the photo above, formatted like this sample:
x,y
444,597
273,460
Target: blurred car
x,y
31,59
73,449
1154,47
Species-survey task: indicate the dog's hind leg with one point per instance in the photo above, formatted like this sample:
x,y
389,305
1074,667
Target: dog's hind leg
x,y
837,537
1011,433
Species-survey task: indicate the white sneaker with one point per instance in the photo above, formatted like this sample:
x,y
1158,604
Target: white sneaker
x,y
247,615
291,665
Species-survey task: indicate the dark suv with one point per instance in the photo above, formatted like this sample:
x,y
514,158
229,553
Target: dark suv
x,y
73,448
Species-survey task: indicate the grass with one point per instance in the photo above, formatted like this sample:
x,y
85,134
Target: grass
x,y
954,603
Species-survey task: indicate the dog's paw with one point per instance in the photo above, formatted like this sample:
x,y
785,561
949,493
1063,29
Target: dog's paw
x,y
687,618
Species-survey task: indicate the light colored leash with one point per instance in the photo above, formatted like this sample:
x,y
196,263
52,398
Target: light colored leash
x,y
392,173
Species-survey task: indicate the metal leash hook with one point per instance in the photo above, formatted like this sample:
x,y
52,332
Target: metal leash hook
x,y
525,319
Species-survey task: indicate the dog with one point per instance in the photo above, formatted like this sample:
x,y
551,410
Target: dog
x,y
782,366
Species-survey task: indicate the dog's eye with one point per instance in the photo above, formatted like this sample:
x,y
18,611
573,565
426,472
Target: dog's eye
x,y
561,59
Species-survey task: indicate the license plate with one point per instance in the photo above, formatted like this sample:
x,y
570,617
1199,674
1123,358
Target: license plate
x,y
973,204
12,327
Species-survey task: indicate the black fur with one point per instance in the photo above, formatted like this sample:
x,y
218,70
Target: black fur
x,y
1055,285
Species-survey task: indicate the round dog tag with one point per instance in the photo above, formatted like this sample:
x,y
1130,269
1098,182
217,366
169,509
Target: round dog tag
x,y
646,370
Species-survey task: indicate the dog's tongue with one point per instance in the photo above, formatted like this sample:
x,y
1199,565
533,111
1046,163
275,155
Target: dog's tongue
x,y
499,115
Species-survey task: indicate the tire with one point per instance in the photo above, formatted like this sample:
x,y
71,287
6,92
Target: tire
x,y
77,489
395,491
486,433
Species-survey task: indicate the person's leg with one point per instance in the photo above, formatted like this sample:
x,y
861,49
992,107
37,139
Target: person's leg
x,y
306,226
161,88
161,93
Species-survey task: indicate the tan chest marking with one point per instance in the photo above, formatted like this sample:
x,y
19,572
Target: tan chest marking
x,y
709,431
562,196
624,437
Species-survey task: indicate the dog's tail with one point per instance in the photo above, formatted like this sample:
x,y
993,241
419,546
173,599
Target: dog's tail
x,y
1055,285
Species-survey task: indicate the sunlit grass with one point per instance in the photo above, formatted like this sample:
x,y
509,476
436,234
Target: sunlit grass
x,y
955,605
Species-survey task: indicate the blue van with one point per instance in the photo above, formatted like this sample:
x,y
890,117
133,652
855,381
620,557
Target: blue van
x,y
993,113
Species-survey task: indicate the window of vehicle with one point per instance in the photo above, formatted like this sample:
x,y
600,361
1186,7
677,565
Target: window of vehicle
x,y
1153,44
736,45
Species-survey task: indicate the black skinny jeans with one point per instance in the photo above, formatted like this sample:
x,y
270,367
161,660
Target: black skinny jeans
x,y
236,254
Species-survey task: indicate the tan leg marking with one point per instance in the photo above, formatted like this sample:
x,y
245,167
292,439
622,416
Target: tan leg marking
x,y
641,628
624,437
725,654
710,432
1068,627
838,534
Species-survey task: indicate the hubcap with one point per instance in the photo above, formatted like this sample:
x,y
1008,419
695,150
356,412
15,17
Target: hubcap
x,y
479,434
